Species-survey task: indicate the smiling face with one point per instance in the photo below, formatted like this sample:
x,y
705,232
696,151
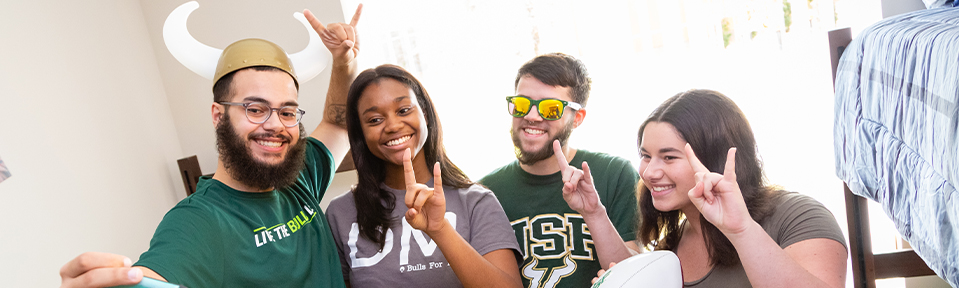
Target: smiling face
x,y
532,135
261,156
270,141
664,168
392,120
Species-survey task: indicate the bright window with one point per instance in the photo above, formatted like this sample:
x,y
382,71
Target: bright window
x,y
770,56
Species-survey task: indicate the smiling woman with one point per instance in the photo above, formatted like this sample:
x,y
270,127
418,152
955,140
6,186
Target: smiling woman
x,y
397,145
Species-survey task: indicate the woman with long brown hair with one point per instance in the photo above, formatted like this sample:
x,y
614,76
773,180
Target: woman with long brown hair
x,y
705,198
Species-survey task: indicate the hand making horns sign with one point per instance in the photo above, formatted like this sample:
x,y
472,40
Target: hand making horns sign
x,y
578,189
340,38
427,206
717,196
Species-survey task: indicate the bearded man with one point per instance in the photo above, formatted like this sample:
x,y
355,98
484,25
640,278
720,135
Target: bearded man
x,y
565,236
255,223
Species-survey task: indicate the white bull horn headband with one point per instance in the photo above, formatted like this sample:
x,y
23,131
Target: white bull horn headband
x,y
202,59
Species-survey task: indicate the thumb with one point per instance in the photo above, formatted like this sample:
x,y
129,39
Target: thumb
x,y
347,44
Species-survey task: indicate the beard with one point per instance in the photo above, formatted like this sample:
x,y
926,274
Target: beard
x,y
244,168
530,157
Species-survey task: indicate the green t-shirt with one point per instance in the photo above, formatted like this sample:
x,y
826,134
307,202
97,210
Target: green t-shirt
x,y
555,242
221,237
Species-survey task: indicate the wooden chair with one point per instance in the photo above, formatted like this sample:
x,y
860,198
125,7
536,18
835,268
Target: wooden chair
x,y
866,266
190,171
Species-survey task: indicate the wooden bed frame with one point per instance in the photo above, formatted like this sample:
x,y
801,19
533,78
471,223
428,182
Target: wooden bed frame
x,y
866,266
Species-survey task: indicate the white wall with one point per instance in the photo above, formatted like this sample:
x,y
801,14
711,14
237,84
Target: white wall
x,y
87,133
896,7
218,23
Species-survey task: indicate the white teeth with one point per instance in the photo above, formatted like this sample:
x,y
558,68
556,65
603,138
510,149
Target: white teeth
x,y
399,141
270,144
662,188
534,131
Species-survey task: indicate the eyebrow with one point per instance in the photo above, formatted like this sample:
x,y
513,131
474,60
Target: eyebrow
x,y
662,151
397,99
261,99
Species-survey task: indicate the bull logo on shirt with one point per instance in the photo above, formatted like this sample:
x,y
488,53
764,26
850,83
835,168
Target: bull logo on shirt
x,y
552,243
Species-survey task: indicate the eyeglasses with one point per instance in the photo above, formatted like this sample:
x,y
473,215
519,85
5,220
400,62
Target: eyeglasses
x,y
259,112
549,108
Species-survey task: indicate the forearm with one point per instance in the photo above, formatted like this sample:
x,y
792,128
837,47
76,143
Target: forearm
x,y
341,78
609,246
332,129
472,269
767,264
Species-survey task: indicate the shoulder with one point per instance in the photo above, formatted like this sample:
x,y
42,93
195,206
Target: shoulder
x,y
317,153
786,202
796,217
343,203
602,160
499,173
475,191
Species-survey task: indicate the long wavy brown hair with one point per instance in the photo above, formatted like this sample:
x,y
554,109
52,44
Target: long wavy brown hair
x,y
711,123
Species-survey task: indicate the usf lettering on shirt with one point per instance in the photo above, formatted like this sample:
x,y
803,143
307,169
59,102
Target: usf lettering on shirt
x,y
553,243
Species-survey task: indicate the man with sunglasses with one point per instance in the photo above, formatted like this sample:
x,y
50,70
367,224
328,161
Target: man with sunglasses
x,y
550,224
257,221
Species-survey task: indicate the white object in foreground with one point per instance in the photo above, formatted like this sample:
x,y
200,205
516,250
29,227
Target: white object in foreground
x,y
649,269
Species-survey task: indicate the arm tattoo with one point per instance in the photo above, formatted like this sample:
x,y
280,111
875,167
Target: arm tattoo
x,y
336,114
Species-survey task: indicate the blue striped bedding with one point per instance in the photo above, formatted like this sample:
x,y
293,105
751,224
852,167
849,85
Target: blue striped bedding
x,y
897,123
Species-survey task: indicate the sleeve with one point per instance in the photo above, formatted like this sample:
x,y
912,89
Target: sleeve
x,y
490,229
621,198
319,171
180,250
333,214
801,217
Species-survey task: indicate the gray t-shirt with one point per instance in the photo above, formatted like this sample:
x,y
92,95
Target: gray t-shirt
x,y
796,218
410,258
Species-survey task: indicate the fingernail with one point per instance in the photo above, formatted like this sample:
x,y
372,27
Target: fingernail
x,y
127,262
134,274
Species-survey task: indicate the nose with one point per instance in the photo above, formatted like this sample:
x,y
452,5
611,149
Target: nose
x,y
533,115
273,122
652,170
393,124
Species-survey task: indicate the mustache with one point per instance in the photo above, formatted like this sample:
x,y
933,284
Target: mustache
x,y
283,137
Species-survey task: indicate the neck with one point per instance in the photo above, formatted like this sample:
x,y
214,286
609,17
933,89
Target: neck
x,y
396,177
223,175
549,165
692,220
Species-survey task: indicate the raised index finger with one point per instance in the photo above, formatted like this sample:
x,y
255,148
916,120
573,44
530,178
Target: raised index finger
x,y
694,161
437,179
317,25
356,16
560,157
730,171
408,170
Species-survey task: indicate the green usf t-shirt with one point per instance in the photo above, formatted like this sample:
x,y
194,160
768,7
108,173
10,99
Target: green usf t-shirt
x,y
557,248
221,237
